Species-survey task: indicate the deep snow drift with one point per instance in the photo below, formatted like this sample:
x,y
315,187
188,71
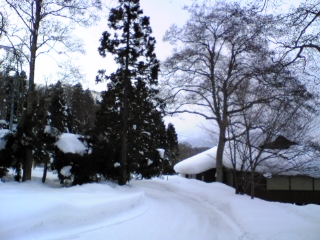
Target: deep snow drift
x,y
176,208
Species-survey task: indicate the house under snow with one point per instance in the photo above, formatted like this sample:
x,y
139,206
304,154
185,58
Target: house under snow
x,y
300,186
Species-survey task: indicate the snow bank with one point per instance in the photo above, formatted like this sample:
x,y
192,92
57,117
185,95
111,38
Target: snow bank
x,y
69,143
33,210
177,208
249,219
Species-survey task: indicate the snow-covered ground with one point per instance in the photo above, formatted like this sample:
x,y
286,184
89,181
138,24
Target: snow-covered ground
x,y
176,208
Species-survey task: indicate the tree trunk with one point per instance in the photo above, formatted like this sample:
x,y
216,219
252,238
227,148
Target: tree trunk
x,y
123,162
219,157
45,169
27,168
252,184
235,181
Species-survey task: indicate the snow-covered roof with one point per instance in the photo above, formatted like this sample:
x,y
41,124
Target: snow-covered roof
x,y
69,143
200,162
282,163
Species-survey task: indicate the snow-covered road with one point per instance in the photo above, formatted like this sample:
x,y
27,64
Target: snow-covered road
x,y
170,215
149,209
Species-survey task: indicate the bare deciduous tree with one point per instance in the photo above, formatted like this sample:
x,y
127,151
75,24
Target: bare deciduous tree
x,y
267,130
45,26
3,23
297,29
217,50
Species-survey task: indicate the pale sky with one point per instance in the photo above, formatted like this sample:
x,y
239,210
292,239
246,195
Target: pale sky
x,y
162,13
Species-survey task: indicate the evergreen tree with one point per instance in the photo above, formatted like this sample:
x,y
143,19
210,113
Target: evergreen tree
x,y
58,109
172,150
144,136
89,109
132,88
12,156
76,113
82,112
107,137
44,136
6,154
12,93
159,137
50,119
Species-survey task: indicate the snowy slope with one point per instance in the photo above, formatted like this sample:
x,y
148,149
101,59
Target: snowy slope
x,y
177,208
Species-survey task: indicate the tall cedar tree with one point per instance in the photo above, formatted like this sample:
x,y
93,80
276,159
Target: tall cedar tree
x,y
48,121
82,111
76,109
58,109
43,139
172,150
133,50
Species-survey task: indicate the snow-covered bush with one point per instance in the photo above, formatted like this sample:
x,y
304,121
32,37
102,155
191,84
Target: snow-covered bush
x,y
11,155
72,161
75,169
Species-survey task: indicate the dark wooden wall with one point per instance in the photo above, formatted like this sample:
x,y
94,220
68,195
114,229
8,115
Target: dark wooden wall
x,y
285,196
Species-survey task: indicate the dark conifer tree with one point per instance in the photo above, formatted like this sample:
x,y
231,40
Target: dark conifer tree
x,y
133,50
158,143
58,109
82,111
44,137
143,140
107,137
172,149
12,94
76,109
89,109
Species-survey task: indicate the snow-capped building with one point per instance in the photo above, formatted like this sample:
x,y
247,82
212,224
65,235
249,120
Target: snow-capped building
x,y
201,166
296,180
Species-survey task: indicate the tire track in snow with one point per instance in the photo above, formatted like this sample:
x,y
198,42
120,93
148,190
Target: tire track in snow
x,y
167,212
186,217
204,203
